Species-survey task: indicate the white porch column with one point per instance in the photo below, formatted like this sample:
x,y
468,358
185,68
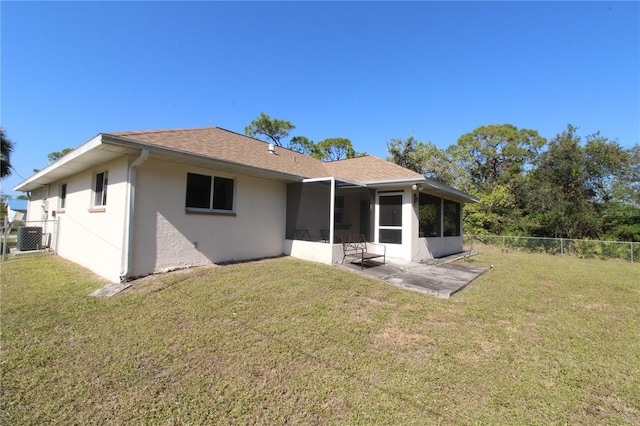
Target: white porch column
x,y
331,210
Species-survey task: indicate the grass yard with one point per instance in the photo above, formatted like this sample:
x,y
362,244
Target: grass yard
x,y
537,340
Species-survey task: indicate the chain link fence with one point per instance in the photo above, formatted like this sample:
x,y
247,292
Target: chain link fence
x,y
563,246
22,238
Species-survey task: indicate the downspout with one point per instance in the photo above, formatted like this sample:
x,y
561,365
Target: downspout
x,y
128,223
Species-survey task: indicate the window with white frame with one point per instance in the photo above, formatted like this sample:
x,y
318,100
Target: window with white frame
x,y
209,193
100,189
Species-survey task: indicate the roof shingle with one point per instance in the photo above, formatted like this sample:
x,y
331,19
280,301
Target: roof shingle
x,y
369,169
225,145
221,144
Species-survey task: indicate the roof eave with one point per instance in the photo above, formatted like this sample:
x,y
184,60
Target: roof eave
x,y
461,196
71,163
442,189
39,178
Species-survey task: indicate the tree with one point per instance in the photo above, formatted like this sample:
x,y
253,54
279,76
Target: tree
x,y
303,145
55,156
570,187
626,187
604,159
427,159
7,147
496,154
333,149
492,162
495,214
406,153
272,128
576,188
620,222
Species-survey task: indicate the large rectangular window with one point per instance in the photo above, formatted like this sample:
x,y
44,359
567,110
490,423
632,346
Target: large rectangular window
x,y
209,192
430,216
100,189
452,214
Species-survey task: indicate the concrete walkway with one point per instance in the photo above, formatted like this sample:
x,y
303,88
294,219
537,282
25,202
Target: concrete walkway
x,y
438,277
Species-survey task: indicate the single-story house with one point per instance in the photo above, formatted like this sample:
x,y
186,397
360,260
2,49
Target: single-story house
x,y
129,204
17,210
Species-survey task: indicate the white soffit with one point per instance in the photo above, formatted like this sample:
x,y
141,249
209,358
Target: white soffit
x,y
88,155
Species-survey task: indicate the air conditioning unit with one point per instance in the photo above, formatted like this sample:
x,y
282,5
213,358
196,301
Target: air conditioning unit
x,y
29,238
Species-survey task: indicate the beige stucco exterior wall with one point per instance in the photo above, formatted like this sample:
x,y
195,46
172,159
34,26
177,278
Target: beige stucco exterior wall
x,y
93,239
428,248
314,251
37,203
165,237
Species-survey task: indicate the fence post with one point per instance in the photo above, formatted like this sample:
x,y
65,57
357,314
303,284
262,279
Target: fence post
x,y
561,247
631,251
4,238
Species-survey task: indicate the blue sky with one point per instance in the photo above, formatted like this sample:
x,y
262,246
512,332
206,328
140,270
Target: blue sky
x,y
367,71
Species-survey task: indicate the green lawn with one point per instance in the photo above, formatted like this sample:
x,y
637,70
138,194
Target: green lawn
x,y
540,339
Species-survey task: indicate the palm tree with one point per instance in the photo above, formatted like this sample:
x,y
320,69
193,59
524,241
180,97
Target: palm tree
x,y
7,147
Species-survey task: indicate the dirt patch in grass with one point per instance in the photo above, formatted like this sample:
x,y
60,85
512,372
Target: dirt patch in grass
x,y
394,336
158,282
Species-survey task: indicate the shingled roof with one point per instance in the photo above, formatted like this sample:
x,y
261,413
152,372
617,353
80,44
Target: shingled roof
x,y
370,169
236,151
220,144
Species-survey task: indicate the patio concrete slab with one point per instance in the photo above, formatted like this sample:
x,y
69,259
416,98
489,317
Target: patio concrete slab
x,y
439,279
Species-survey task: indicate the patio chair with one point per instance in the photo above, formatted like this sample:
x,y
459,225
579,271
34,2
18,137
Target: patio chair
x,y
302,234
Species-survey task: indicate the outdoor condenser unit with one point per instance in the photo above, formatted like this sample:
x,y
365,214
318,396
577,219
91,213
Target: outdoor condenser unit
x,y
29,238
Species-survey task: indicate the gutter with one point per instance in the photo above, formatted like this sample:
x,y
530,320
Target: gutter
x,y
394,182
128,232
